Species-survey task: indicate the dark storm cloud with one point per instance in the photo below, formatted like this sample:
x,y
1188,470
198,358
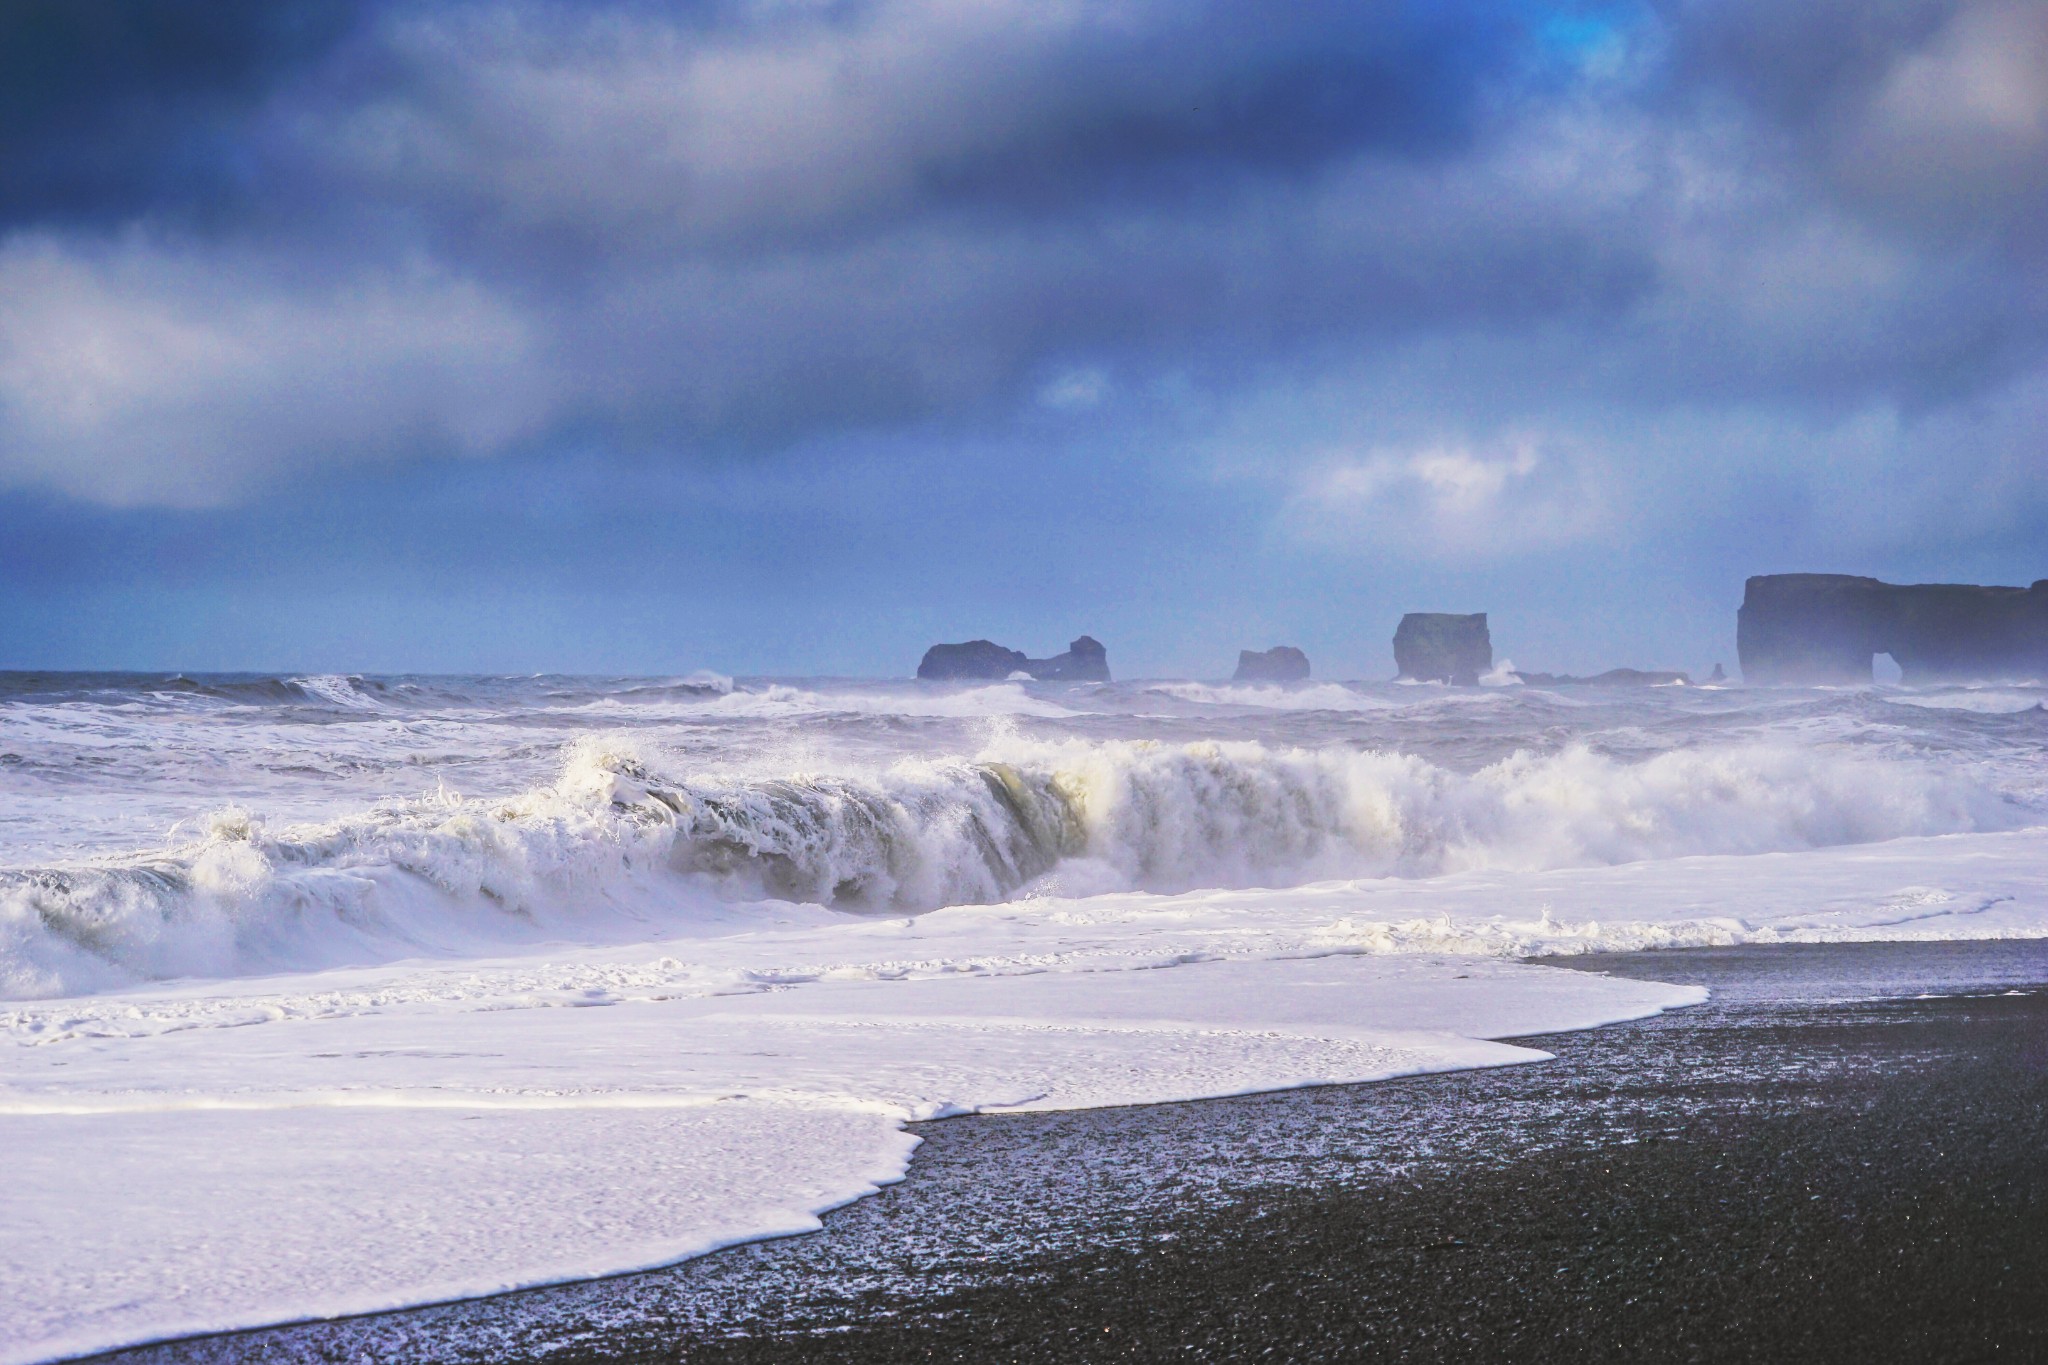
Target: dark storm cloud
x,y
1795,63
1418,274
638,128
114,107
737,224
1926,113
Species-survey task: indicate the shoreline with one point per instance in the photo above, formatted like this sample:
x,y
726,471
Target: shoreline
x,y
1014,1232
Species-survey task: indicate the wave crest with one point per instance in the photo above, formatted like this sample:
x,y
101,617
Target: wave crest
x,y
628,844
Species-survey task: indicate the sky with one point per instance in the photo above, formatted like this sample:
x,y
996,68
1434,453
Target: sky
x,y
791,336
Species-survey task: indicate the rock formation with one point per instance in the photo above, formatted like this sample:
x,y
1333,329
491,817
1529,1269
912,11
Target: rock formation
x,y
1613,677
974,659
1434,646
984,660
1281,663
1085,661
1811,628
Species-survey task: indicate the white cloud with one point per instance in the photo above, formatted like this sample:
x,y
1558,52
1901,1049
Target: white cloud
x,y
1956,131
133,373
1985,75
1441,498
1076,390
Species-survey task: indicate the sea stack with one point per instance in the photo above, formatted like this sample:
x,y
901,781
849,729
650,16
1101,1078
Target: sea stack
x,y
1435,646
986,661
1085,661
1824,629
1280,664
975,659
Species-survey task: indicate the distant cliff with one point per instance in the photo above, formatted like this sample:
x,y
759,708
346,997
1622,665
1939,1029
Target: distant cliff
x,y
984,660
1281,663
1815,628
1435,646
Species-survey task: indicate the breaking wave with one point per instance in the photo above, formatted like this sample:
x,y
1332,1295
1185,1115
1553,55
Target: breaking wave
x,y
629,841
1276,696
348,692
1982,701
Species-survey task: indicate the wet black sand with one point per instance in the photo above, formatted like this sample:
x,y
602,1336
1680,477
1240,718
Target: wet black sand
x,y
1818,1165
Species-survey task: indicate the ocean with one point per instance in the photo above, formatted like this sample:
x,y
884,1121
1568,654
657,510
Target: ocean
x,y
328,994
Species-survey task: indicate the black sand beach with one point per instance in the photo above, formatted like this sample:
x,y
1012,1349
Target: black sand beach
x,y
1842,1157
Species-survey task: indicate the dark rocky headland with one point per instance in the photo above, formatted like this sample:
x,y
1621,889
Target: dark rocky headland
x,y
1817,628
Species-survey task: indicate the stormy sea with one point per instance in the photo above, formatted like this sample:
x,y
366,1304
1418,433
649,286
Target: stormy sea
x,y
331,995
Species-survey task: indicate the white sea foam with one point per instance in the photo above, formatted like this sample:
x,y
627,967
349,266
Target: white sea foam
x,y
1987,701
1275,697
337,690
462,1128
420,1155
681,957
630,841
1501,674
776,701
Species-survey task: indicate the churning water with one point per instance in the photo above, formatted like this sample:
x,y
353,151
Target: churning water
x,y
161,826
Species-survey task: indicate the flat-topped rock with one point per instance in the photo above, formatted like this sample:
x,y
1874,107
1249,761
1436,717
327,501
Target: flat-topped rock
x,y
1824,629
986,661
1435,646
1281,663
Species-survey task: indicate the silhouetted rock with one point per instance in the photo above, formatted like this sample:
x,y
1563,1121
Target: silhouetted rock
x,y
1435,646
1811,628
1719,675
976,659
1613,677
984,661
1281,663
1085,661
